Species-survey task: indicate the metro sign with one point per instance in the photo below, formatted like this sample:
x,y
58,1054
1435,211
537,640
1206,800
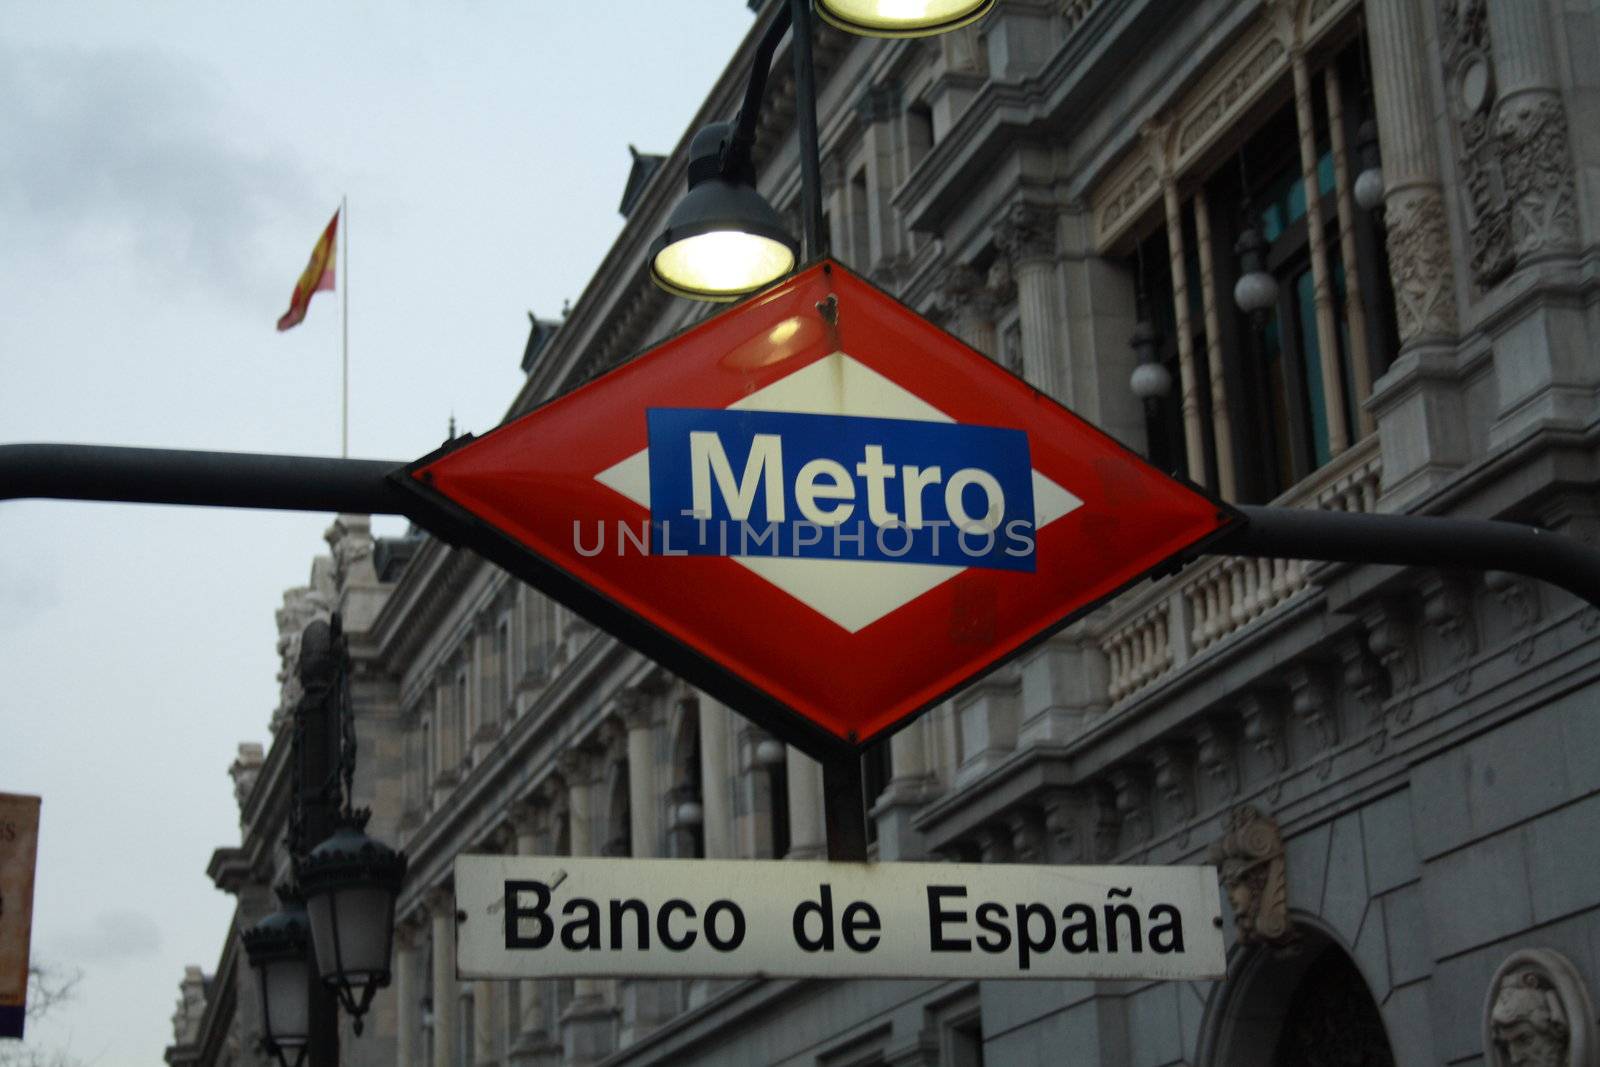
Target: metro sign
x,y
818,507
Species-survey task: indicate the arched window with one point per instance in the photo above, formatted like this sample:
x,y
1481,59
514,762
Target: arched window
x,y
1308,1008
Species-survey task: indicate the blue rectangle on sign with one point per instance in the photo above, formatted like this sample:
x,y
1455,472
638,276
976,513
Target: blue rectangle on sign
x,y
768,483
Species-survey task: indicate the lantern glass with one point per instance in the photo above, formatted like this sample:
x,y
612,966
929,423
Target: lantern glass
x,y
1151,381
351,928
901,18
285,986
1369,189
722,264
1256,291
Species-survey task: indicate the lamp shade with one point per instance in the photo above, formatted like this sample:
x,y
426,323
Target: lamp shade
x,y
723,240
279,952
1256,291
901,18
350,883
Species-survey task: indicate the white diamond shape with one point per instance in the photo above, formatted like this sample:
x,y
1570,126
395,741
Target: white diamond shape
x,y
851,593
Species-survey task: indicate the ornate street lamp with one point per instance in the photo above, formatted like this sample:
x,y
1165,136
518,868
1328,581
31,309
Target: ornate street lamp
x,y
350,883
1150,380
340,900
1369,183
723,240
279,950
1256,291
901,18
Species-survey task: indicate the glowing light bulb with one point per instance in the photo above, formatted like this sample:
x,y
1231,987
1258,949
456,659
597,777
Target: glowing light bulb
x,y
723,264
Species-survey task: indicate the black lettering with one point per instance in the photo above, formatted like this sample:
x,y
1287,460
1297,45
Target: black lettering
x,y
515,913
937,917
735,939
991,917
823,910
642,922
1080,936
664,925
858,918
590,923
1123,911
1026,942
1168,936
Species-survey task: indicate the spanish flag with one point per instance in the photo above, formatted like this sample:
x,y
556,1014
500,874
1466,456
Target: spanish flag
x,y
317,276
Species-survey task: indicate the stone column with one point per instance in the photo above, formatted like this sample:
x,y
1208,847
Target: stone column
x,y
907,789
644,1003
716,772
1155,136
806,838
969,308
1321,272
1027,235
644,800
587,1024
406,997
879,107
1221,412
1355,308
442,909
530,823
1417,404
1418,234
1531,127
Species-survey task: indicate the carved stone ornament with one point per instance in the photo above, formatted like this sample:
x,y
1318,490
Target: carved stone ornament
x,y
1418,238
1027,233
350,539
1083,823
1217,755
1531,132
1250,863
301,605
1469,66
1538,1014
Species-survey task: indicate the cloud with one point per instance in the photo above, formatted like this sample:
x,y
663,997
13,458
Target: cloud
x,y
135,151
110,937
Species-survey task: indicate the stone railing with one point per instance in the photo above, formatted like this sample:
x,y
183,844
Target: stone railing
x,y
1160,626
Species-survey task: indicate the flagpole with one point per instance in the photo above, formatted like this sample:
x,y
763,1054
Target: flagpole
x,y
344,329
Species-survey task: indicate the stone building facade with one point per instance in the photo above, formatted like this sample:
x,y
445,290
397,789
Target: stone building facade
x,y
1396,770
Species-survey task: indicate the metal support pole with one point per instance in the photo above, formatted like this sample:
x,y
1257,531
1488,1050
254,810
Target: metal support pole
x,y
844,807
317,743
213,479
805,120
1417,541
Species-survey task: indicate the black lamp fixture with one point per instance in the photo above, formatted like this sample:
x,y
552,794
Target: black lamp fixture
x,y
1368,186
350,883
1151,380
336,919
723,240
901,18
279,950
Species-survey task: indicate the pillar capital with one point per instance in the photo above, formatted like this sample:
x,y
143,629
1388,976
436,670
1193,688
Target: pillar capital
x,y
1027,232
634,706
578,766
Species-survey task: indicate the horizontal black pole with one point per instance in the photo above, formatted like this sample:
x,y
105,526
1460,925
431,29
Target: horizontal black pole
x,y
215,479
361,486
1419,541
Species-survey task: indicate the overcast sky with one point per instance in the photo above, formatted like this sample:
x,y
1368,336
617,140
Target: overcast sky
x,y
165,169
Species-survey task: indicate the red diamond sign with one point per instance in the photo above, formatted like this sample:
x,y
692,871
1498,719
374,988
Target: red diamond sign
x,y
818,507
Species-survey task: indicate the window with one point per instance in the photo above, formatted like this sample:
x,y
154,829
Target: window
x,y
1293,378
503,666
